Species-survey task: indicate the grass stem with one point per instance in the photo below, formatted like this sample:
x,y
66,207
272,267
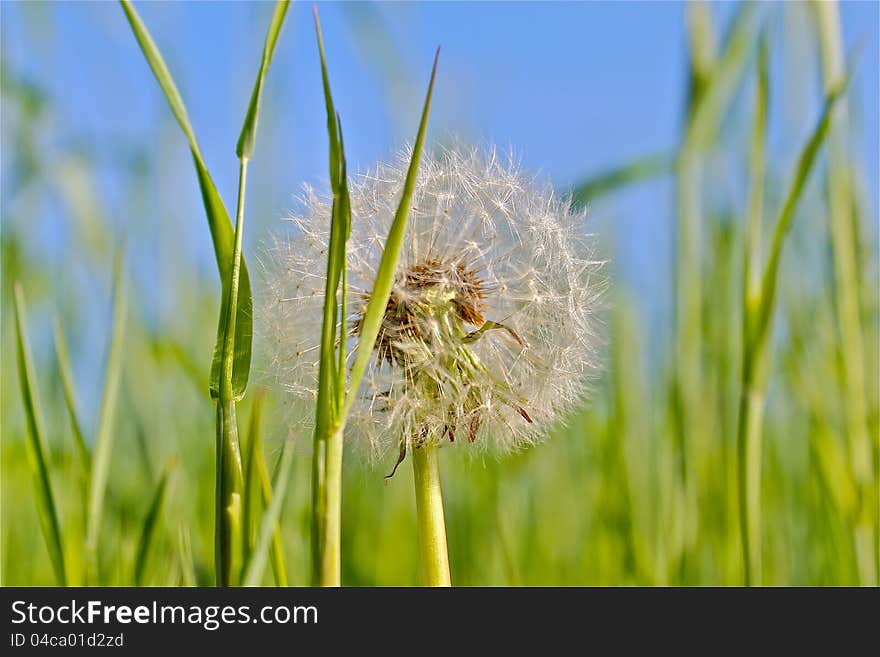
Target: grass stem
x,y
230,480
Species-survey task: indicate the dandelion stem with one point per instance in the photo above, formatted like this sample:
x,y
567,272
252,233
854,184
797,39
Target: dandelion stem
x,y
429,510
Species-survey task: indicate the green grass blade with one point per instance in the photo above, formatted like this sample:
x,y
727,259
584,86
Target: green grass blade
x,y
231,365
256,478
160,70
219,222
151,521
343,218
245,146
388,264
327,452
845,234
185,557
330,380
105,435
36,446
606,182
786,216
751,408
256,566
69,388
711,104
757,166
279,565
254,445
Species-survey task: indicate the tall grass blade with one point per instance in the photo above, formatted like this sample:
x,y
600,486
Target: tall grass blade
x,y
844,238
151,521
749,441
327,451
36,444
330,379
69,388
707,106
219,222
758,313
105,435
232,366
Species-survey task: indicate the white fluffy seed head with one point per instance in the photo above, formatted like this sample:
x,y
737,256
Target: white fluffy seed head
x,y
489,337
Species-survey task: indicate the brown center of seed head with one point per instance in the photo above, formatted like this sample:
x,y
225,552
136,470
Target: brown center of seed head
x,y
426,295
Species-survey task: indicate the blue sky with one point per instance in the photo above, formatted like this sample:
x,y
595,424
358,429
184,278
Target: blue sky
x,y
573,88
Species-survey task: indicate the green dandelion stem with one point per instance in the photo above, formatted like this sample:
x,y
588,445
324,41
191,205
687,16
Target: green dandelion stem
x,y
433,554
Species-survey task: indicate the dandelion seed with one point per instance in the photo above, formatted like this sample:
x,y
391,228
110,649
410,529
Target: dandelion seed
x,y
488,338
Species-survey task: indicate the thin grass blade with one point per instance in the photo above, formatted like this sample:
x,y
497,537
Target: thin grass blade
x,y
105,435
639,170
254,444
279,565
340,226
327,450
151,521
253,572
786,215
245,146
36,445
69,388
751,408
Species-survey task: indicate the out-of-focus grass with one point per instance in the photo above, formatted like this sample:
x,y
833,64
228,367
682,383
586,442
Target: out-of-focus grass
x,y
603,502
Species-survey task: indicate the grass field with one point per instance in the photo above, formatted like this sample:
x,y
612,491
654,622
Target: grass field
x,y
736,442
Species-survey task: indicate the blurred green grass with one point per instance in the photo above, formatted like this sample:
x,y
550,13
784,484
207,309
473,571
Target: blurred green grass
x,y
634,491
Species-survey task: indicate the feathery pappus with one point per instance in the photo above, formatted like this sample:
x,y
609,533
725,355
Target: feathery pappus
x,y
489,336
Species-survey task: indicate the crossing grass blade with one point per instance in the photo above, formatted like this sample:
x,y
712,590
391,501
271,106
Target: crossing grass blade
x,y
381,291
219,223
279,565
105,434
606,182
36,444
806,160
254,569
256,481
69,388
151,521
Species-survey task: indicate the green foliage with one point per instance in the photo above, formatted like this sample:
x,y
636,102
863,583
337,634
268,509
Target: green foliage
x,y
782,273
105,436
218,218
151,522
38,461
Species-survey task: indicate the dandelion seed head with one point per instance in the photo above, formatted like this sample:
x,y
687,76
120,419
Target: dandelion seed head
x,y
489,337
